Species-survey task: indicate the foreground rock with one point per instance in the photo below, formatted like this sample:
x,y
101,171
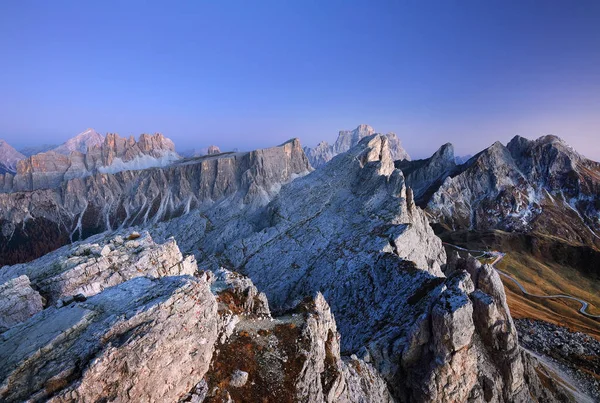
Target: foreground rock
x,y
290,358
144,340
18,302
347,139
88,268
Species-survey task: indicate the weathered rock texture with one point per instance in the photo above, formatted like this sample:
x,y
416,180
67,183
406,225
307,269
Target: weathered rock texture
x,y
528,186
356,236
114,154
347,139
34,223
89,268
292,358
18,302
143,340
426,176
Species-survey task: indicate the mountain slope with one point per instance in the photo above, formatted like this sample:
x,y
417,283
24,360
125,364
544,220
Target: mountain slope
x,y
80,143
9,157
38,221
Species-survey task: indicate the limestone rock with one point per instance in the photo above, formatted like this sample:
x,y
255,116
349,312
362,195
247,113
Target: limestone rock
x,y
347,139
88,205
137,341
18,302
89,268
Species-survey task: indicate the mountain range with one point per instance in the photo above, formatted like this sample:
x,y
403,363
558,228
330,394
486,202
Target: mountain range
x,y
295,274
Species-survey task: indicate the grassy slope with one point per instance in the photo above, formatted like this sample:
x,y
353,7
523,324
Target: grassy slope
x,y
539,274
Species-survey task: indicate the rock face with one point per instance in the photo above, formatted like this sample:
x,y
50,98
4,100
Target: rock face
x,y
50,169
132,342
18,302
9,157
148,337
357,237
426,176
80,143
34,223
88,268
528,186
347,139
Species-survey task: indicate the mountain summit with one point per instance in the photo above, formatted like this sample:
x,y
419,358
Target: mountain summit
x,y
347,139
81,142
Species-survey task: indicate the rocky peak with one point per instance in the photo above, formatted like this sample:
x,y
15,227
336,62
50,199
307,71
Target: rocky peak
x,y
347,139
212,150
80,143
9,157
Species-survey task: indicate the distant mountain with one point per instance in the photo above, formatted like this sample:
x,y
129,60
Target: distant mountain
x,y
347,139
81,142
29,151
114,154
462,159
538,185
199,152
8,158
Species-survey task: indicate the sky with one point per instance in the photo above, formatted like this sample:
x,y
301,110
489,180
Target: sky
x,y
252,74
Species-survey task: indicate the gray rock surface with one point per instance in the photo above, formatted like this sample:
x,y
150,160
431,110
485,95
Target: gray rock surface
x,y
143,340
425,176
18,302
347,139
88,268
528,186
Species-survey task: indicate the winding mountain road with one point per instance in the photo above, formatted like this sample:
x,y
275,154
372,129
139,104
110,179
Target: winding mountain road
x,y
499,256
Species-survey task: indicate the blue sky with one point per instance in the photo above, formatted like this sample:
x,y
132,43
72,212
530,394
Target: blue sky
x,y
251,74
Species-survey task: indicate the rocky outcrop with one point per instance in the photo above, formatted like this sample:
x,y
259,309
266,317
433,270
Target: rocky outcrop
x,y
18,302
34,223
347,139
9,157
158,337
88,268
50,169
291,358
80,143
143,340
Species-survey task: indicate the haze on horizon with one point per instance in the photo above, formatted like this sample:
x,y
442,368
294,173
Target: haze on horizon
x,y
254,74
